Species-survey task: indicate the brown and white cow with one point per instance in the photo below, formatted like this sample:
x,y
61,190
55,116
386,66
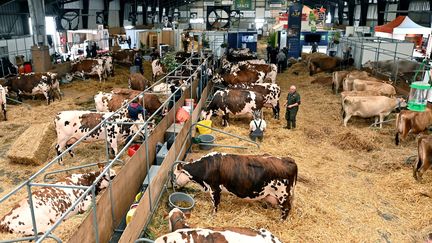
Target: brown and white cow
x,y
137,81
252,177
424,156
270,70
271,93
182,233
337,80
412,122
158,69
3,93
125,56
50,203
380,87
90,67
110,102
72,125
370,106
240,77
236,102
34,84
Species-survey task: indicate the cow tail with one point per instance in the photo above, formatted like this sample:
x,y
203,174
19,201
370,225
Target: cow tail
x,y
397,140
419,162
333,81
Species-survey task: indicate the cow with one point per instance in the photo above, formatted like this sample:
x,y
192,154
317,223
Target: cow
x,y
370,106
50,203
253,177
412,122
338,77
323,64
137,81
157,69
182,233
424,159
90,67
241,77
227,66
349,79
270,70
3,93
359,93
108,65
34,84
125,56
381,87
271,93
237,55
236,102
404,69
72,125
110,102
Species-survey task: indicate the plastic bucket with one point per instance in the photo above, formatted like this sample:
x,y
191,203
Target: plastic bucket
x,y
204,130
206,138
176,199
132,149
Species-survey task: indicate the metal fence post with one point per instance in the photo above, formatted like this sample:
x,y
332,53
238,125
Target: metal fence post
x,y
95,222
147,164
32,210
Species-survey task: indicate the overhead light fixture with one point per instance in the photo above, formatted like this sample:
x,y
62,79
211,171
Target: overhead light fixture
x,y
128,27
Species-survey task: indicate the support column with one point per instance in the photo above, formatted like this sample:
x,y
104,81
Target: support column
x,y
40,51
363,12
403,6
85,12
106,13
351,8
332,10
381,7
341,7
121,12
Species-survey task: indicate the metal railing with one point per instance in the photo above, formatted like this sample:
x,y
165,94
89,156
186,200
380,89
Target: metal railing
x,y
143,128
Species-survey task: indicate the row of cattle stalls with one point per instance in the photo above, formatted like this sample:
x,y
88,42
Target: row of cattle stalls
x,y
157,186
106,212
375,49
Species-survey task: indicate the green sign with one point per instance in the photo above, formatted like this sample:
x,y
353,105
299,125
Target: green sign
x,y
243,4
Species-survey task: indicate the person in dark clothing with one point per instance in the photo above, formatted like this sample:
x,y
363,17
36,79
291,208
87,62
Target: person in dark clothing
x,y
88,53
139,62
135,109
129,41
285,51
314,47
273,55
292,106
269,49
94,50
155,54
280,60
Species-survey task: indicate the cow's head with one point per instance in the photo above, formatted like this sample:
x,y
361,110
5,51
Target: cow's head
x,y
206,114
217,79
369,64
106,178
177,219
181,176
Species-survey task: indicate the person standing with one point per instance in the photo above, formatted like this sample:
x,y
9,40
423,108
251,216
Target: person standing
x,y
257,127
138,61
292,106
94,50
314,47
280,60
285,51
269,49
129,42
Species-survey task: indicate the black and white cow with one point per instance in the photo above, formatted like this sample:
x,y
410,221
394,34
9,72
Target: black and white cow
x,y
271,93
73,125
253,177
3,93
50,203
234,101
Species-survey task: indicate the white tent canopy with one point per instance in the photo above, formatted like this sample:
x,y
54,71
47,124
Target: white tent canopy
x,y
410,27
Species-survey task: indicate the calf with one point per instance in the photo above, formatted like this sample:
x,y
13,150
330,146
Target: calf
x,y
138,82
412,122
72,125
424,158
110,102
34,84
338,77
3,93
236,102
157,69
380,87
271,93
50,203
252,177
90,67
182,233
241,77
369,106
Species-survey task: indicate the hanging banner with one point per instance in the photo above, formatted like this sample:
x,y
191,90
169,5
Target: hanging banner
x,y
243,4
294,29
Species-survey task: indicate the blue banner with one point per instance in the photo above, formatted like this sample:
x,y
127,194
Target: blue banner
x,y
294,29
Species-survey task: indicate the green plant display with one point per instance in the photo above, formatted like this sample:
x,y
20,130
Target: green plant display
x,y
169,61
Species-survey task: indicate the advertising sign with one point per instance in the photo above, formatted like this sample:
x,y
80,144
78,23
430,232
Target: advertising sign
x,y
294,28
243,4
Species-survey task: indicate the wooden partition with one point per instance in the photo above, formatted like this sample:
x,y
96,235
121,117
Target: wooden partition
x,y
126,184
143,211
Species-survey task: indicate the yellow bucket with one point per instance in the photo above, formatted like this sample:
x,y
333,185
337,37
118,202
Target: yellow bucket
x,y
204,130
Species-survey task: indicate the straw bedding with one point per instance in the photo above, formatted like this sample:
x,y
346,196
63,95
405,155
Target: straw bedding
x,y
353,183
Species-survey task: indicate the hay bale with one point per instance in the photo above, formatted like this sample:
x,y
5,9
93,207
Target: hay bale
x,y
298,68
32,147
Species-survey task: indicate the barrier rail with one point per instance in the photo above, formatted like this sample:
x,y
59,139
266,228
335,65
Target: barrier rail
x,y
143,129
